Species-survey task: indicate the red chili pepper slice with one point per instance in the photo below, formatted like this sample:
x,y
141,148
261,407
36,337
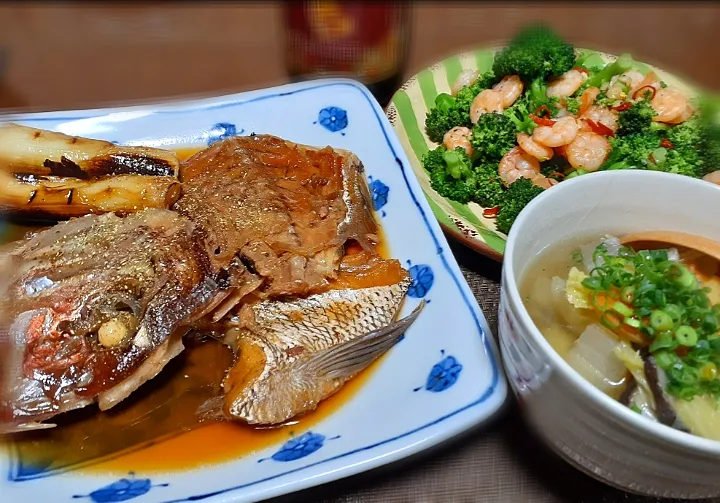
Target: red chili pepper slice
x,y
599,128
542,121
543,111
643,90
665,143
491,212
556,174
622,106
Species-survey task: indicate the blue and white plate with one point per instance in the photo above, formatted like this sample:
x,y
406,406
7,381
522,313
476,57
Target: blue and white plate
x,y
441,379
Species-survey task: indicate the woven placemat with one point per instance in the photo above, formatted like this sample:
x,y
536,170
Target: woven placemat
x,y
499,462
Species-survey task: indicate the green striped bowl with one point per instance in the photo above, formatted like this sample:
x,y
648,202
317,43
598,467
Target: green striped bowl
x,y
407,112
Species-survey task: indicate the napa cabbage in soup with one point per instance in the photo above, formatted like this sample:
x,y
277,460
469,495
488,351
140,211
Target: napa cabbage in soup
x,y
641,325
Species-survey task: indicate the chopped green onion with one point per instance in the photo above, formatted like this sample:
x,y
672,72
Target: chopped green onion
x,y
665,359
611,320
628,294
635,408
684,374
682,275
660,320
674,311
668,306
686,335
622,309
592,283
632,322
710,323
663,340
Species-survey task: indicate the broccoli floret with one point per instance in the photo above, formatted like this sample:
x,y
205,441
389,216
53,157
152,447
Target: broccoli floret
x,y
492,137
684,154
445,115
450,112
632,151
451,173
457,163
636,119
490,189
602,100
572,105
602,77
516,197
536,97
650,150
682,162
433,160
444,184
535,52
519,114
709,146
466,95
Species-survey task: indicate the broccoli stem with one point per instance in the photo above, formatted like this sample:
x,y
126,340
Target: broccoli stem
x,y
538,94
620,65
455,165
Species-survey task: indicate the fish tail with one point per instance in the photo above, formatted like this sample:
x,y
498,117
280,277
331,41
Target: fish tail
x,y
347,359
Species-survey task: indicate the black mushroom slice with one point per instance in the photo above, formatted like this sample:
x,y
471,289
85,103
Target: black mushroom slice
x,y
664,410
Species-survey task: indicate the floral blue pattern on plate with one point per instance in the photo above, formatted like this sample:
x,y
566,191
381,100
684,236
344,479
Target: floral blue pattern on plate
x,y
473,389
121,490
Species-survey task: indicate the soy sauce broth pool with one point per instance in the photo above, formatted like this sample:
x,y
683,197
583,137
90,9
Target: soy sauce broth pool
x,y
156,429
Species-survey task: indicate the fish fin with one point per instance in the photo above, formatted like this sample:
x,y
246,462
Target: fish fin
x,y
345,360
211,409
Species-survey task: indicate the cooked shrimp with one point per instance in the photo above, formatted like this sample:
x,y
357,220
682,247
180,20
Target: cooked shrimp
x,y
687,113
588,97
517,164
669,103
713,177
566,84
561,133
511,87
650,80
602,115
466,78
542,181
540,152
458,137
588,151
486,102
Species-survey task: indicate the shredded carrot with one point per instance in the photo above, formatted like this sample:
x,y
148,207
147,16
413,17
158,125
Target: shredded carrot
x,y
631,334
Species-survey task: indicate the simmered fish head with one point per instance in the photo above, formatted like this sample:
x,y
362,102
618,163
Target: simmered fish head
x,y
94,307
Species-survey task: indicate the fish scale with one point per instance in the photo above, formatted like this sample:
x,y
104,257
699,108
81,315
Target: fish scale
x,y
322,325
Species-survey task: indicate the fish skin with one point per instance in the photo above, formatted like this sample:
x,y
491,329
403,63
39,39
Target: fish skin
x,y
294,354
58,286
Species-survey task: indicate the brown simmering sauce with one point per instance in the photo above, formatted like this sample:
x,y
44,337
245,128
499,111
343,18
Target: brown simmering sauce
x,y
157,428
